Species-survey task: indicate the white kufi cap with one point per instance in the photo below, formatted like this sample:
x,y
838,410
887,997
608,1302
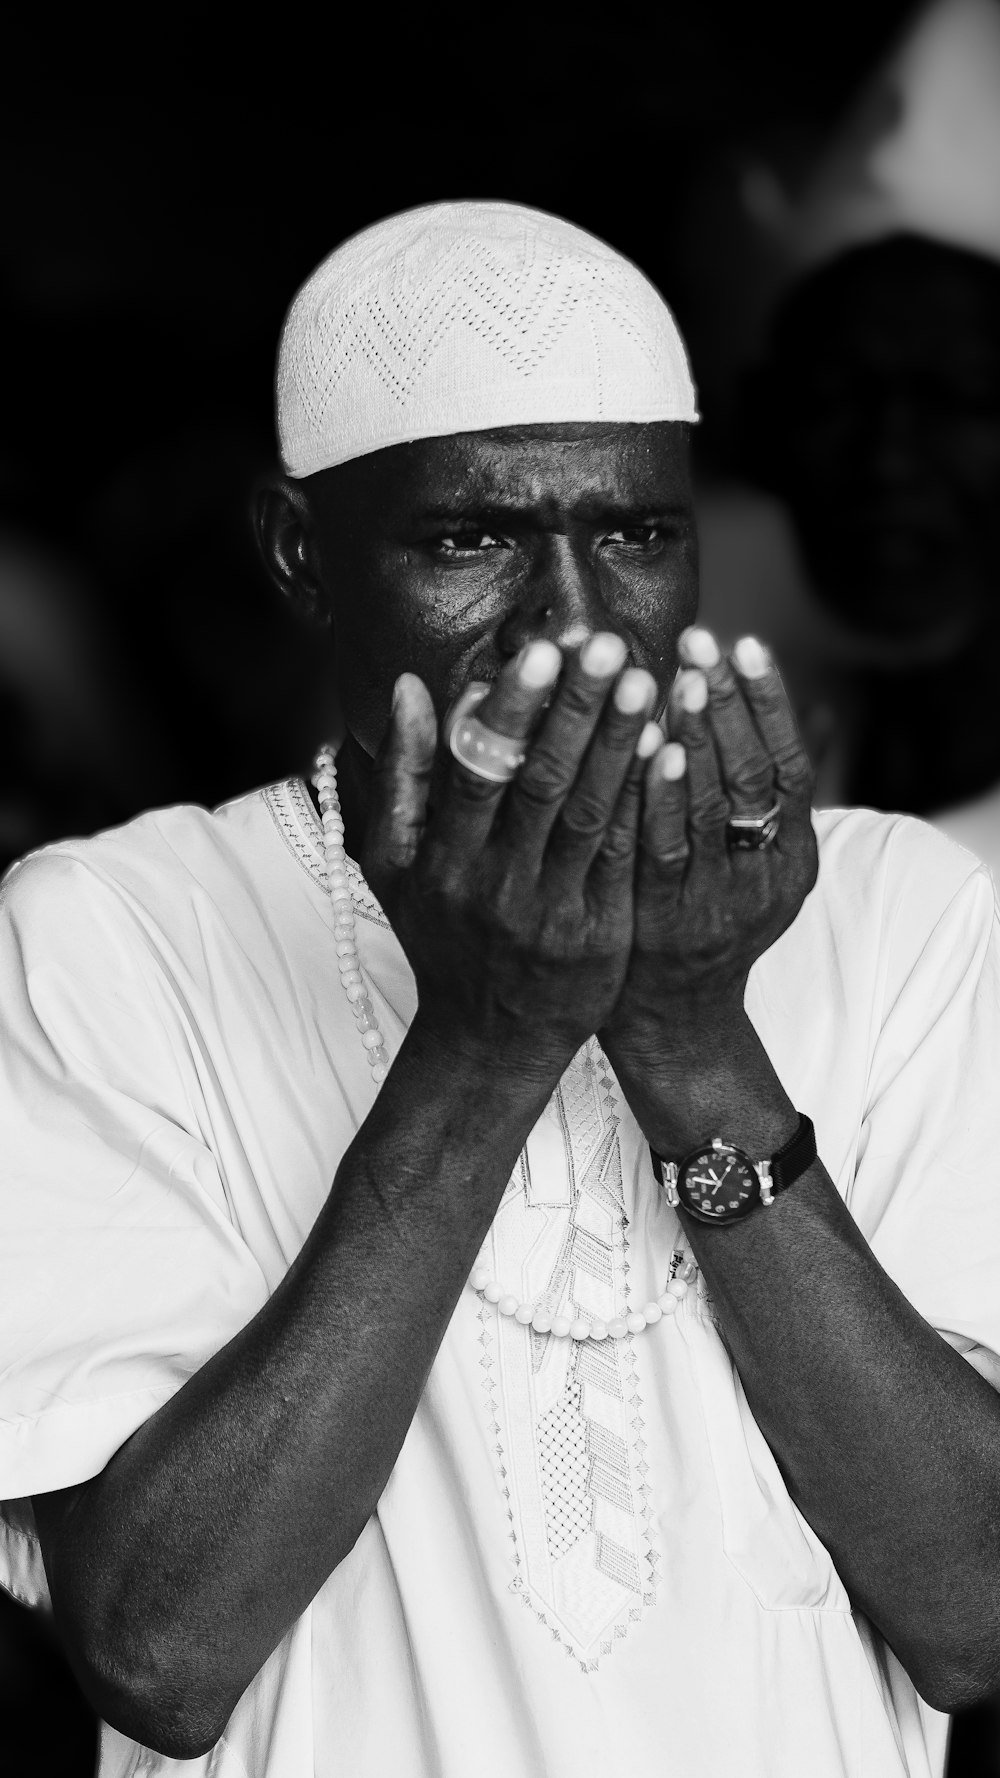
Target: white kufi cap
x,y
464,316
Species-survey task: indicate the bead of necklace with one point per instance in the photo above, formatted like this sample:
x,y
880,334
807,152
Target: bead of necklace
x,y
344,934
352,980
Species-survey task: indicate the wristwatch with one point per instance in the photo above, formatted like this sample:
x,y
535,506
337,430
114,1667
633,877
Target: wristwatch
x,y
718,1183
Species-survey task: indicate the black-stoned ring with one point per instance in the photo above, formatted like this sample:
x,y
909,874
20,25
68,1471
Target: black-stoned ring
x,y
753,833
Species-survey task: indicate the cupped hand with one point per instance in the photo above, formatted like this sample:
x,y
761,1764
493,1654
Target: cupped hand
x,y
514,902
704,912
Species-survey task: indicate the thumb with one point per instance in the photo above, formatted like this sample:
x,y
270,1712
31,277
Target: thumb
x,y
401,778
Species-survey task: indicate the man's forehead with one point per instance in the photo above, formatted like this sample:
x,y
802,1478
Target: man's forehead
x,y
600,463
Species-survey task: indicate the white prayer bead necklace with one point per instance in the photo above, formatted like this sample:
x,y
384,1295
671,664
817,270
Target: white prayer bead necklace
x,y
345,937
584,1327
574,1327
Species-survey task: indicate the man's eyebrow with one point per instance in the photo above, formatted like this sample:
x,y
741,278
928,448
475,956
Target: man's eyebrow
x,y
634,512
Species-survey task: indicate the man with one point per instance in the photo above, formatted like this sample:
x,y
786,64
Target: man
x,y
403,1379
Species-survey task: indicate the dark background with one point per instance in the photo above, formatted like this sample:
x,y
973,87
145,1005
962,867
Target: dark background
x,y
168,183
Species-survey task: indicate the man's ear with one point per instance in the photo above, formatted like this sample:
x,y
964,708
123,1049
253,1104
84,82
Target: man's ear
x,y
286,538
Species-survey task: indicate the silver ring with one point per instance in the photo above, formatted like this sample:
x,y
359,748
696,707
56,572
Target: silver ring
x,y
481,750
753,833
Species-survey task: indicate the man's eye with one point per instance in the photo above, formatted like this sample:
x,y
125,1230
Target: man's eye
x,y
637,536
467,543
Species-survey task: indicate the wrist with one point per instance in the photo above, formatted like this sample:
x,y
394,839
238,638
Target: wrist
x,y
497,1065
685,1047
702,1081
442,1108
757,1124
669,1032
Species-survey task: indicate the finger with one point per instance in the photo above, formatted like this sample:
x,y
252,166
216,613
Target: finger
x,y
614,865
555,756
582,827
775,721
401,776
745,765
664,835
707,804
511,707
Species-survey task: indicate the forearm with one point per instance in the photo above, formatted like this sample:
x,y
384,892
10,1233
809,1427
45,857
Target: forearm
x,y
180,1567
889,1442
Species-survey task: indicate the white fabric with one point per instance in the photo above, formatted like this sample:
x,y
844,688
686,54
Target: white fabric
x,y
588,1571
460,317
921,152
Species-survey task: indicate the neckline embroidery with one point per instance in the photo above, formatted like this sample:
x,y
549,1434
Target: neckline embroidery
x,y
290,807
566,1420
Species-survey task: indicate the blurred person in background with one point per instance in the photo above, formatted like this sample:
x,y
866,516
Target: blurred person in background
x,y
875,417
69,739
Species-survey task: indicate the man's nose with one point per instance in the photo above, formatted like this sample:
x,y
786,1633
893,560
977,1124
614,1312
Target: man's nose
x,y
561,599
893,439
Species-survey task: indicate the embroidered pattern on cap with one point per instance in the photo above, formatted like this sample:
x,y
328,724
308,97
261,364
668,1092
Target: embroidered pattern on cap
x,y
461,317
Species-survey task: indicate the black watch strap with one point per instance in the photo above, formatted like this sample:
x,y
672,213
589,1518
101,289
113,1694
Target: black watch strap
x,y
790,1162
784,1167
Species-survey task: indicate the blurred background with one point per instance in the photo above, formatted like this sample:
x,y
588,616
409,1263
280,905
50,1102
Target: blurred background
x,y
817,194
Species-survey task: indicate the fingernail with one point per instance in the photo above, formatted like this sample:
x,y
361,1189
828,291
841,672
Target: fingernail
x,y
539,664
693,690
401,692
699,647
674,762
635,689
603,654
649,740
751,657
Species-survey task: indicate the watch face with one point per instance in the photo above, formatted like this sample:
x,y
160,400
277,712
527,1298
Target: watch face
x,y
719,1184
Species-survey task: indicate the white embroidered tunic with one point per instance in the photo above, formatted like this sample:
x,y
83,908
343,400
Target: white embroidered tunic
x,y
585,1559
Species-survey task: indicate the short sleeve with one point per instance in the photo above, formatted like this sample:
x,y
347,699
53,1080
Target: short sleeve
x,y
927,1187
121,1268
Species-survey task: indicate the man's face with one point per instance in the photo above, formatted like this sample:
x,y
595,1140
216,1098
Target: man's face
x,y
443,557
